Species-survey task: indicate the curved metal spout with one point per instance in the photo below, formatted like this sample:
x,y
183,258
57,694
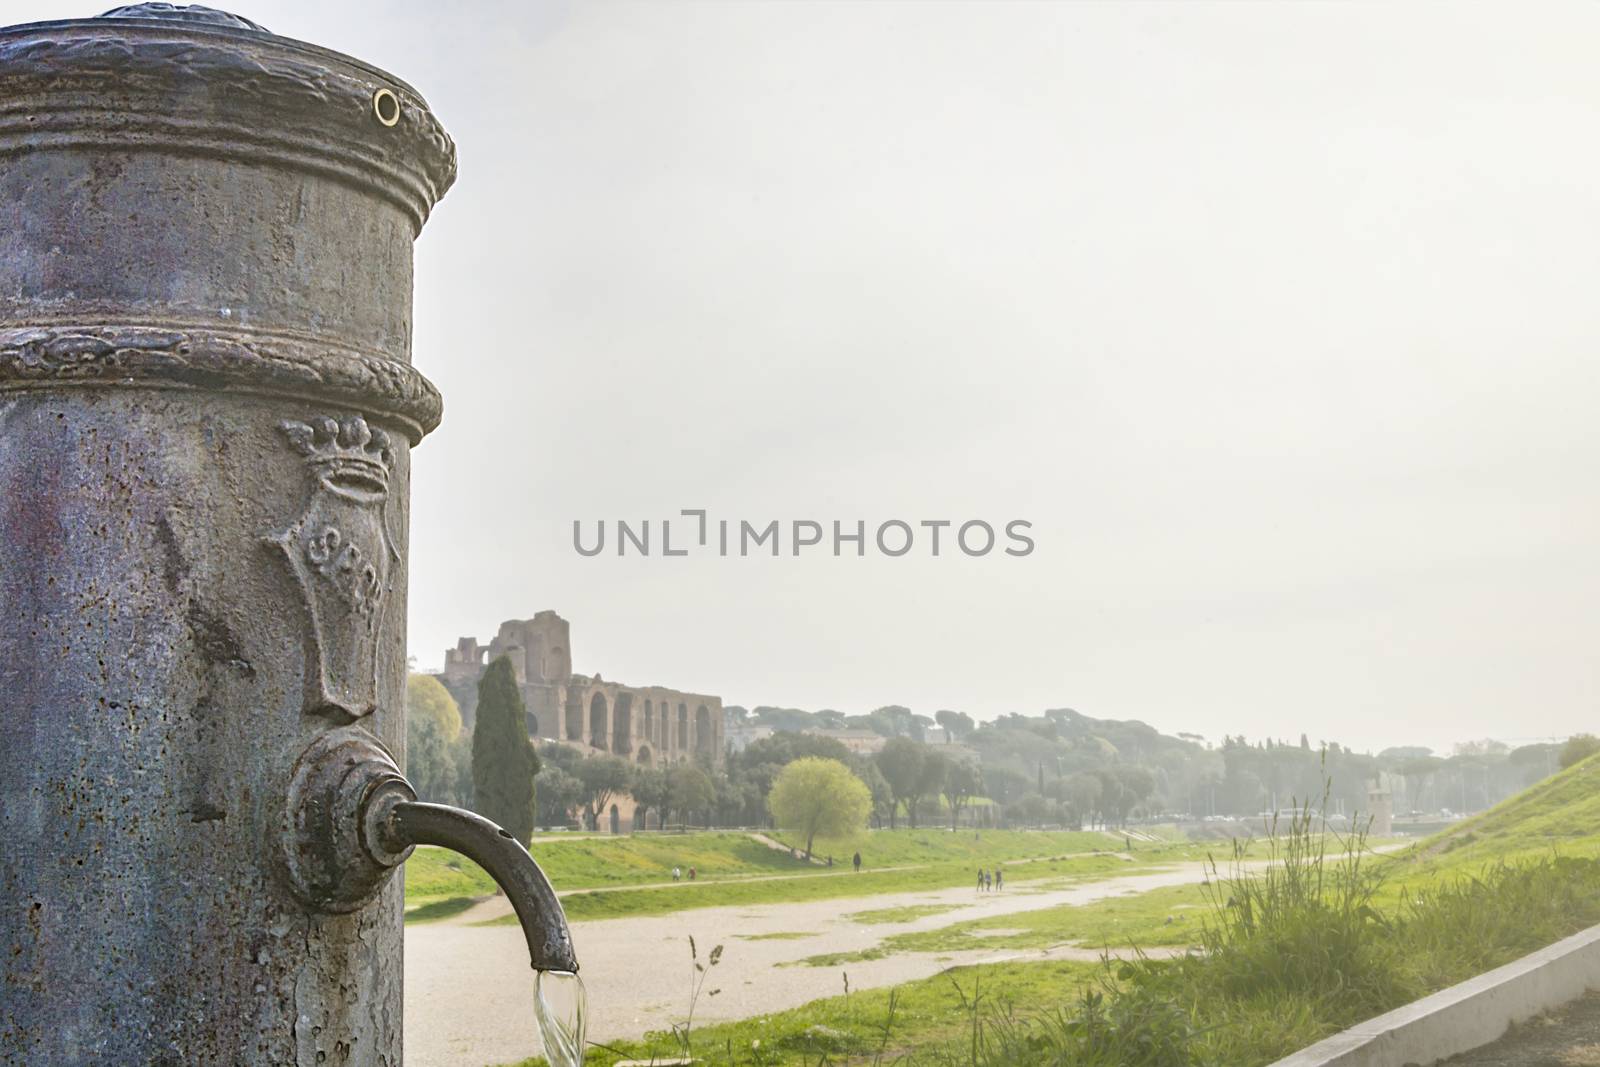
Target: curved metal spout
x,y
544,924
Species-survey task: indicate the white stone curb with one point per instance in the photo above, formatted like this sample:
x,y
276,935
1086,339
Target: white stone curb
x,y
1465,1016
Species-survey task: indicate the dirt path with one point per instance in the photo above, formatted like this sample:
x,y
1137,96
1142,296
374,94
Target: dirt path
x,y
469,992
486,908
779,846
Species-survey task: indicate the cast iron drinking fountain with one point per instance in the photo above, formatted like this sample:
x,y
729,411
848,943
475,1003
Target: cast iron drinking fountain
x,y
207,407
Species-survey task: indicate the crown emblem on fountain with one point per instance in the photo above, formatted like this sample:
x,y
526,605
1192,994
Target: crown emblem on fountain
x,y
340,552
350,457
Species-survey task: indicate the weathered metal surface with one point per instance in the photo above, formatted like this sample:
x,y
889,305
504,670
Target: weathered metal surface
x,y
205,299
333,860
532,897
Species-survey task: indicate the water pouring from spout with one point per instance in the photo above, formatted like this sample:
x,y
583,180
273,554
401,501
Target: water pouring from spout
x,y
560,1006
353,819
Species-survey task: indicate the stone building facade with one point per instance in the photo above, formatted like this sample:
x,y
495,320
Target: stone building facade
x,y
649,725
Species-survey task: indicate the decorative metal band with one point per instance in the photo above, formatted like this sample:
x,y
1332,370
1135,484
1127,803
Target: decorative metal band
x,y
266,365
165,85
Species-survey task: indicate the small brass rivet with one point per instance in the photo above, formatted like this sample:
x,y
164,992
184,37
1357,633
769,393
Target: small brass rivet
x,y
386,106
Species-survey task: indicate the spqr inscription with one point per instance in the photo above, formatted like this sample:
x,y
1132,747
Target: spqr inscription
x,y
341,553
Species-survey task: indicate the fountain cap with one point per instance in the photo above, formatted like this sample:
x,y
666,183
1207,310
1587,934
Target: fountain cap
x,y
193,80
184,13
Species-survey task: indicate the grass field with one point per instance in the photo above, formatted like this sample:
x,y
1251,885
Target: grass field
x,y
435,876
861,1026
631,875
1296,959
1237,1009
594,862
626,903
1558,816
909,913
903,847
1244,1006
1158,918
1482,893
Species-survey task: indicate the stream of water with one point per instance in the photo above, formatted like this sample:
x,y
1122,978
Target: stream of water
x,y
561,1007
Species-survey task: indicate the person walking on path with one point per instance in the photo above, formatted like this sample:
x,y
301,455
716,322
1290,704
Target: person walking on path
x,y
691,874
999,879
982,877
677,872
856,859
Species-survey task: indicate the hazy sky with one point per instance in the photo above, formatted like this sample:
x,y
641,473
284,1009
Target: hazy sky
x,y
1277,322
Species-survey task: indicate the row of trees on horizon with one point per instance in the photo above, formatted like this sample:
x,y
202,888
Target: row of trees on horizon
x,y
1060,769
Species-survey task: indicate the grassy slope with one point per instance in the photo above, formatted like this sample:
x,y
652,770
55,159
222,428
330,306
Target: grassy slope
x,y
1560,814
435,875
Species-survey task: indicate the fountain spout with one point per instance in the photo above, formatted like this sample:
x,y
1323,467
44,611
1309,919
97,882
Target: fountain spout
x,y
351,819
401,823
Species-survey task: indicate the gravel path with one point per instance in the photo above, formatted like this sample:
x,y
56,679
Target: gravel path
x,y
469,991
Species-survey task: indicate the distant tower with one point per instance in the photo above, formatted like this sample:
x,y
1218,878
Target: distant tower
x,y
550,637
540,648
1380,802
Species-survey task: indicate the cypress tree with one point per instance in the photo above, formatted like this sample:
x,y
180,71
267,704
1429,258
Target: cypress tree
x,y
503,758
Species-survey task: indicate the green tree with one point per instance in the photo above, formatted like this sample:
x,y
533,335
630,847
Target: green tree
x,y
1533,762
893,720
651,792
956,724
433,722
877,785
1081,795
791,719
1005,784
1578,747
427,698
829,719
461,770
692,790
559,792
819,796
603,777
1138,784
930,781
737,798
1419,771
503,759
1031,809
900,762
785,746
962,782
